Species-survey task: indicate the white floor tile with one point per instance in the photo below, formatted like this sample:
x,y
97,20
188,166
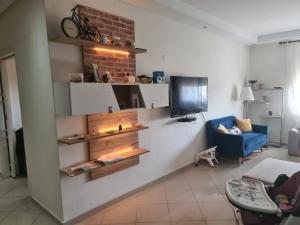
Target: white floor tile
x,y
20,218
43,219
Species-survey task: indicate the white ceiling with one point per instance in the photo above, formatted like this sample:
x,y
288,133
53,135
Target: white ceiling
x,y
4,4
259,17
250,21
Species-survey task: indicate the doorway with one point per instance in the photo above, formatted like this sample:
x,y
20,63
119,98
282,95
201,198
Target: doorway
x,y
4,151
12,143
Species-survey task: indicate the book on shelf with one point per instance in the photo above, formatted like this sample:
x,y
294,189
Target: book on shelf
x,y
109,158
76,137
83,167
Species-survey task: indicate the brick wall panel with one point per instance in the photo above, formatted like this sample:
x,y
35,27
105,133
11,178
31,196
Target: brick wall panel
x,y
108,24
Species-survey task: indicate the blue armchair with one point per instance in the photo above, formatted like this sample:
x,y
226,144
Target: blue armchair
x,y
235,146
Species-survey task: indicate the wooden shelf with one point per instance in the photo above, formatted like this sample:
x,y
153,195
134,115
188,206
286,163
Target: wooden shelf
x,y
91,44
89,137
130,154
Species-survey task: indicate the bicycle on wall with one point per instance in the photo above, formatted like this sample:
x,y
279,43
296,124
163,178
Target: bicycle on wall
x,y
76,26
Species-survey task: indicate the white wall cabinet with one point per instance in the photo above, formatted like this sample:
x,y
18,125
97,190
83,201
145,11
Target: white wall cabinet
x,y
90,98
84,98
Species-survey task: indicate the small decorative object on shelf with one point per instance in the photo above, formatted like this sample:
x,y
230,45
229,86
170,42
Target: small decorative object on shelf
x,y
96,73
158,77
120,128
116,41
131,78
105,40
76,26
270,113
135,100
145,79
129,44
76,77
107,78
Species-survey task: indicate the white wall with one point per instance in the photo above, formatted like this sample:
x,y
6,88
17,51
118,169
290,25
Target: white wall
x,y
268,65
23,27
187,51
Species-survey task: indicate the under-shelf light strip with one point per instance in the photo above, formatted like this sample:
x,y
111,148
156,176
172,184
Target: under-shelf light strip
x,y
111,51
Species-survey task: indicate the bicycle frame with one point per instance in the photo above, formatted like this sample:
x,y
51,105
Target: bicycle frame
x,y
82,22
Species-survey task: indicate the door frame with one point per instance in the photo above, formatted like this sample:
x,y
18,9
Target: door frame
x,y
2,98
9,129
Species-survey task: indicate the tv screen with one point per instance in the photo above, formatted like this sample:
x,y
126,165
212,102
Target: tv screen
x,y
188,95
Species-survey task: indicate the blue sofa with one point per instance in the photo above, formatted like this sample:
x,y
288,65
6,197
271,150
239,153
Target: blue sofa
x,y
235,146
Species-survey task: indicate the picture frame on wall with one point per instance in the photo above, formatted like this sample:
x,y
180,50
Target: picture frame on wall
x,y
96,73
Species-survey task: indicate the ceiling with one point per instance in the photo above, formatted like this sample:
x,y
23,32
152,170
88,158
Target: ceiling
x,y
259,17
251,21
4,4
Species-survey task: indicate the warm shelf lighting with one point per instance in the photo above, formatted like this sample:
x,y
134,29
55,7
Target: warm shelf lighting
x,y
112,51
114,129
124,150
115,154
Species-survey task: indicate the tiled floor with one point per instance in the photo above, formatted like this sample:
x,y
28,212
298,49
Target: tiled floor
x,y
16,207
194,196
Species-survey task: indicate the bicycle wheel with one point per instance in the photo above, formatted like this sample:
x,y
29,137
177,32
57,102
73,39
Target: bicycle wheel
x,y
70,27
92,33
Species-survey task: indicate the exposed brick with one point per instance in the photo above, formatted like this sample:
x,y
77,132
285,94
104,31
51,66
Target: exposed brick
x,y
112,25
106,21
118,24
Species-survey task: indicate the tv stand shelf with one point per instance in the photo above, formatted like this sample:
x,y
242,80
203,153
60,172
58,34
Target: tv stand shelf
x,y
127,155
89,137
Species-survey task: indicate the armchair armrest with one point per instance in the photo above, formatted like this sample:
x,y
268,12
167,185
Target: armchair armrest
x,y
260,129
230,145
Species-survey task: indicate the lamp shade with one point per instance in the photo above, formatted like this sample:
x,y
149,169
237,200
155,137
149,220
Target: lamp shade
x,y
246,94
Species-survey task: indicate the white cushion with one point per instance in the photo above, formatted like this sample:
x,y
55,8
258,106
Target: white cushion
x,y
235,130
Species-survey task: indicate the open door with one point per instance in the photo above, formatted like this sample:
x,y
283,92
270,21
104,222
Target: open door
x,y
11,105
4,151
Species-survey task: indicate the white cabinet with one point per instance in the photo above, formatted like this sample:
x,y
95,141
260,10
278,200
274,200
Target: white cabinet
x,y
90,98
155,95
84,98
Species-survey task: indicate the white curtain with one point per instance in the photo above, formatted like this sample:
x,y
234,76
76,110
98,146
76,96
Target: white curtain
x,y
293,84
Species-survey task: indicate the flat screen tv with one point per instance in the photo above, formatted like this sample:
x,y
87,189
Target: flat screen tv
x,y
188,95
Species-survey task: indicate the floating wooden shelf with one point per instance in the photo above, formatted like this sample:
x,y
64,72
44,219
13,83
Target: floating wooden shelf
x,y
91,44
130,154
89,137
